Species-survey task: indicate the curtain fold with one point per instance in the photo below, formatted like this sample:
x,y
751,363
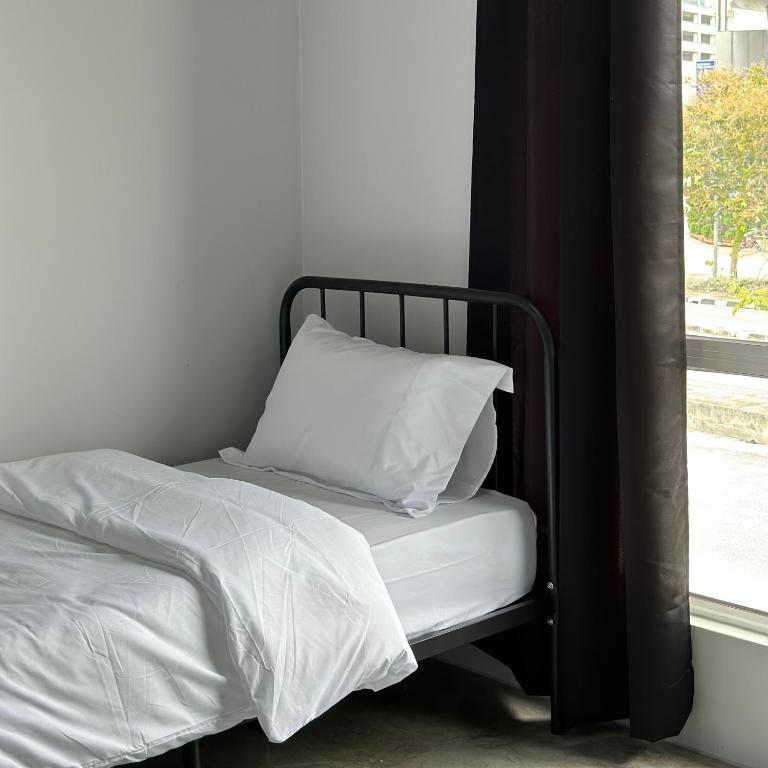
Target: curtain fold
x,y
576,201
648,229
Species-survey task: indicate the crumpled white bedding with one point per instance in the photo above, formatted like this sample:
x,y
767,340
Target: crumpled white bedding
x,y
142,606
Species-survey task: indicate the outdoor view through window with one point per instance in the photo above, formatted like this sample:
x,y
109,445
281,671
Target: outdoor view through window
x,y
725,182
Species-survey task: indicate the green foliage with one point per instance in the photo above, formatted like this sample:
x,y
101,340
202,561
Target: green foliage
x,y
701,223
755,298
725,156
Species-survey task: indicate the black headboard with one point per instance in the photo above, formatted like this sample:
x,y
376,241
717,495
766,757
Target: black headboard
x,y
447,294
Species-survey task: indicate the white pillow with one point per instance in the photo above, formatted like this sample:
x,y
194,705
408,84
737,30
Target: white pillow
x,y
476,459
474,464
375,421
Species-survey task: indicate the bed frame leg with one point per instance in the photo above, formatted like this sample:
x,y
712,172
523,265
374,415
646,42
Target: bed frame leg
x,y
556,724
556,727
190,755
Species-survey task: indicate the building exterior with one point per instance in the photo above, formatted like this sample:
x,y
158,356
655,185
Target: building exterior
x,y
739,49
729,33
699,38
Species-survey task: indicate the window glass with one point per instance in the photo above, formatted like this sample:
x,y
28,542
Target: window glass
x,y
725,183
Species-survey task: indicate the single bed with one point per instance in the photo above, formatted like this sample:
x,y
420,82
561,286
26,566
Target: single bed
x,y
145,606
460,562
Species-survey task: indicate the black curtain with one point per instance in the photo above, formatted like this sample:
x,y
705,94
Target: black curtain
x,y
576,201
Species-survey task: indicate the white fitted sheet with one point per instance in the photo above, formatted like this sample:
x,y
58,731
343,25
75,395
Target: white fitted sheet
x,y
460,562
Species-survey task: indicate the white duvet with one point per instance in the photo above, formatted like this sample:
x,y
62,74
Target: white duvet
x,y
142,606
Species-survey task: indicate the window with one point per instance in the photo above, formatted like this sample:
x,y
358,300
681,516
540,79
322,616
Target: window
x,y
688,17
708,21
726,262
689,37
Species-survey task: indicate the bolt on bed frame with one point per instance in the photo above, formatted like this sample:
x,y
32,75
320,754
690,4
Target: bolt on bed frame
x,y
536,606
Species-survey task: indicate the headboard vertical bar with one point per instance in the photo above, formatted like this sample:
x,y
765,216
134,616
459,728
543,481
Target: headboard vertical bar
x,y
496,456
495,332
322,303
362,314
495,343
401,298
446,331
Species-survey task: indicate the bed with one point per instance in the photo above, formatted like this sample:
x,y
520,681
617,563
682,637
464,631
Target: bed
x,y
370,591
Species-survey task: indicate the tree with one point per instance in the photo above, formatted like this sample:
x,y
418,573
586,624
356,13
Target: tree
x,y
725,155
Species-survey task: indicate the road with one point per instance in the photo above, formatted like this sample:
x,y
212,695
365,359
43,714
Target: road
x,y
728,489
746,323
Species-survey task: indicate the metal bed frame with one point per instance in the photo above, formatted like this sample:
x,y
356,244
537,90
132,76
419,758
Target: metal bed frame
x,y
541,603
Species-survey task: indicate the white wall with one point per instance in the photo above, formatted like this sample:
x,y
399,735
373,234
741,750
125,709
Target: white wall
x,y
387,112
728,720
149,218
150,199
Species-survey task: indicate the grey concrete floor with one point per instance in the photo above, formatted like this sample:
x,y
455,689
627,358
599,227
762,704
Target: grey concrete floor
x,y
441,717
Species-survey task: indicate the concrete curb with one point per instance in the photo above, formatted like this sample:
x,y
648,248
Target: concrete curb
x,y
727,421
719,406
711,302
719,303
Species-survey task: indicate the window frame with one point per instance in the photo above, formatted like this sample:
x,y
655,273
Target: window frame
x,y
723,355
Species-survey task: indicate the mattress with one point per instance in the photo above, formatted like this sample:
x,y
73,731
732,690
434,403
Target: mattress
x,y
456,564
